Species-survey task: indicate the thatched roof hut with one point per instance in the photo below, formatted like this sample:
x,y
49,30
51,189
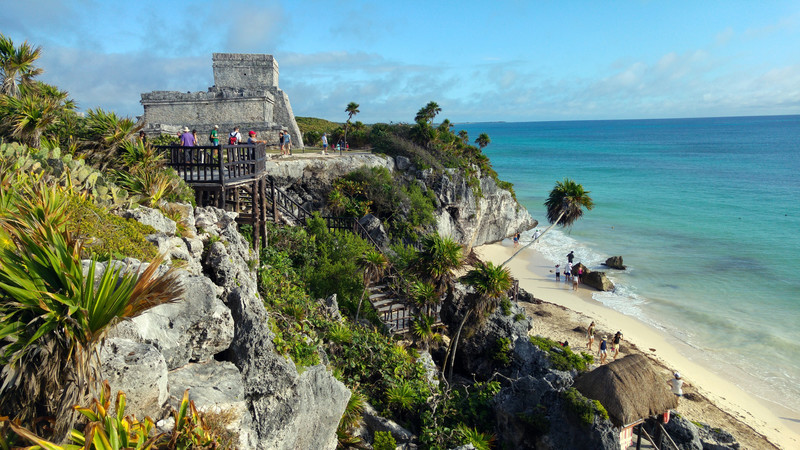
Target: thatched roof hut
x,y
629,389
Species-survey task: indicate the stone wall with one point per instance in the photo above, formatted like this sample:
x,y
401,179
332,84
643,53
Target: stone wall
x,y
245,70
246,95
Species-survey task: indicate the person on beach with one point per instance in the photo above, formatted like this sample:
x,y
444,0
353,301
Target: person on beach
x,y
235,138
574,282
580,274
570,256
516,240
536,235
615,343
324,143
676,384
603,350
590,335
567,272
558,273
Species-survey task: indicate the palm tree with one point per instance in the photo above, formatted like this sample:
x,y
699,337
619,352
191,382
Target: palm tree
x,y
564,206
424,329
424,295
464,136
351,110
374,264
438,261
483,140
107,133
16,64
53,317
27,117
490,282
428,112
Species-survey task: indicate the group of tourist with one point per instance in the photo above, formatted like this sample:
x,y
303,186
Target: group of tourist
x,y
572,275
603,349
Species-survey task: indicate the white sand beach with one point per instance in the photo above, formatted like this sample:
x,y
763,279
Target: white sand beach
x,y
718,401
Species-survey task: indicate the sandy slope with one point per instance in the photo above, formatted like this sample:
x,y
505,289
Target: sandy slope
x,y
717,402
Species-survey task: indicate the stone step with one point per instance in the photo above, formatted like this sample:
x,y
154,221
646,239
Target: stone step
x,y
377,288
385,302
378,296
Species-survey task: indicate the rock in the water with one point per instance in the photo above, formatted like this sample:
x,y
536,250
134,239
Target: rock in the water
x,y
615,262
140,371
597,280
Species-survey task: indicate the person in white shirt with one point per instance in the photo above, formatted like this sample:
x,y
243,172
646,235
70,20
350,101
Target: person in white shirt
x,y
676,384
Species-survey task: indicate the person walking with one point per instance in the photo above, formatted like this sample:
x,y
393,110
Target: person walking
x,y
676,383
235,138
516,240
590,335
213,137
558,273
616,343
603,350
324,143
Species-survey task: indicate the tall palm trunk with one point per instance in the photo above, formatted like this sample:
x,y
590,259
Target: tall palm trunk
x,y
451,352
534,240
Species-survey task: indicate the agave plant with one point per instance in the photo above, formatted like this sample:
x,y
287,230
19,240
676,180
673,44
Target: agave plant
x,y
53,317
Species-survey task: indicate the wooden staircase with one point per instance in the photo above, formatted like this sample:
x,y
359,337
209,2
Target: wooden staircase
x,y
393,311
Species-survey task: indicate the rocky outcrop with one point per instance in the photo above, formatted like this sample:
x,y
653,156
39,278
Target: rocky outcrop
x,y
216,342
140,371
690,435
476,219
470,215
615,262
479,355
530,413
593,278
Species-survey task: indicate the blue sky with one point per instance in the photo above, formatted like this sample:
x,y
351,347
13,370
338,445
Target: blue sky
x,y
479,60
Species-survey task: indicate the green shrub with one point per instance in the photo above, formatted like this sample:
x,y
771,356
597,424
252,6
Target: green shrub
x,y
502,352
563,358
384,441
519,317
108,235
584,409
505,306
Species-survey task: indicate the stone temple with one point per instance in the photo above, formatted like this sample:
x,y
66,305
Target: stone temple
x,y
245,94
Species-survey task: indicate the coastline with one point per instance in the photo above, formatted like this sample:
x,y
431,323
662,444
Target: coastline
x,y
779,426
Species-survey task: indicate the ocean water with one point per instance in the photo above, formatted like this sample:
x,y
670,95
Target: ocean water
x,y
704,212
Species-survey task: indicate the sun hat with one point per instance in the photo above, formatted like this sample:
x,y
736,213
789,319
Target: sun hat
x,y
252,133
677,374
216,126
605,337
185,129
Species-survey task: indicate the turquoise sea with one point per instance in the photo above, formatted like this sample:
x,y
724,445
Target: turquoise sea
x,y
704,212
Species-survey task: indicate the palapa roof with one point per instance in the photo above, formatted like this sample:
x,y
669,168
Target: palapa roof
x,y
628,388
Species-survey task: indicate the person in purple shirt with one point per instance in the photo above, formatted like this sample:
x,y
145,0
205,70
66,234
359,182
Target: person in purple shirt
x,y
187,138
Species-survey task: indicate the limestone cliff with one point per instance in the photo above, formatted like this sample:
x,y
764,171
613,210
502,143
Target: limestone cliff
x,y
217,343
471,216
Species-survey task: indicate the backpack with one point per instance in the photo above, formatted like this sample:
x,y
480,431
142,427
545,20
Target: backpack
x,y
232,140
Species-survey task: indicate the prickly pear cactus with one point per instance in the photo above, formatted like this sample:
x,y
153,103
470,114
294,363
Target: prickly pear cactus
x,y
26,163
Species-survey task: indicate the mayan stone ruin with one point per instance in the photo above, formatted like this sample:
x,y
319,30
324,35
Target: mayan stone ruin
x,y
245,94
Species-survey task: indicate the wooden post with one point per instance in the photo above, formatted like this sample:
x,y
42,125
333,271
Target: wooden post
x,y
274,200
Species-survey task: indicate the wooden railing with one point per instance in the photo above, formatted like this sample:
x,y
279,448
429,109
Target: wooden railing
x,y
216,164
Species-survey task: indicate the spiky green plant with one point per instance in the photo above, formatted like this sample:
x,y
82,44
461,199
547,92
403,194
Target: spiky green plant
x,y
53,317
469,435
